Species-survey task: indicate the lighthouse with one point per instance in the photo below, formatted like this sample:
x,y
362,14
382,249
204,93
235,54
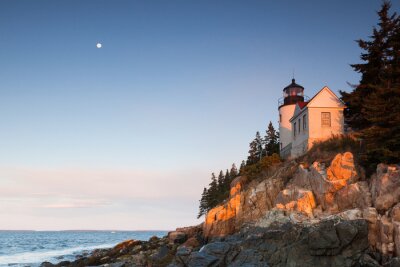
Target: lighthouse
x,y
292,94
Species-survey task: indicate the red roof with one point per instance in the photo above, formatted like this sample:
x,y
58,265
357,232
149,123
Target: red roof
x,y
302,104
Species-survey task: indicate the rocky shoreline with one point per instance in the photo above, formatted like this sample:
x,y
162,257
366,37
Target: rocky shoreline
x,y
331,242
299,215
154,252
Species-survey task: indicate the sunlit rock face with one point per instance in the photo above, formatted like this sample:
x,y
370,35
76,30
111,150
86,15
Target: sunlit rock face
x,y
296,200
221,219
245,206
342,169
325,183
295,193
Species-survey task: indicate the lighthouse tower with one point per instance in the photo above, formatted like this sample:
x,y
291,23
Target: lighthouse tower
x,y
292,94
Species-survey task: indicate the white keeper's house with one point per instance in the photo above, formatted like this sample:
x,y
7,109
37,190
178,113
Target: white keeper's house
x,y
302,121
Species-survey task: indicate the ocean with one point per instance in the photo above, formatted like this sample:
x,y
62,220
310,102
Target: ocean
x,y
31,248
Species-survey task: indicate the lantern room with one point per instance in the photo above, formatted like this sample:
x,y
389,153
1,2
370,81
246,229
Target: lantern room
x,y
293,93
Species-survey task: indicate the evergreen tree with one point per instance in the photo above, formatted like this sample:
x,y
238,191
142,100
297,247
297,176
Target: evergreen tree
x,y
234,172
256,149
228,178
271,140
203,207
227,184
374,104
212,196
221,185
376,60
252,157
242,165
259,141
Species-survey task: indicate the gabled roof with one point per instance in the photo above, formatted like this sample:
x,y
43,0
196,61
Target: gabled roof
x,y
300,106
331,93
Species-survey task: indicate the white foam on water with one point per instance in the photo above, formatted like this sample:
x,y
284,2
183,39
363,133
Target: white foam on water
x,y
41,256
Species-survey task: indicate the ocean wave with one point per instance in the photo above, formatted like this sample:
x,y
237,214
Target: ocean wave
x,y
41,256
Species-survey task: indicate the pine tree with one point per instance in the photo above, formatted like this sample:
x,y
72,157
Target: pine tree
x,y
227,184
252,157
242,165
259,141
376,61
271,140
203,204
212,196
256,148
221,185
234,172
374,104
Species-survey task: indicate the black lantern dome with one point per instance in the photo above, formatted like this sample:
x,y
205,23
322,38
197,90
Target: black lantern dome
x,y
293,93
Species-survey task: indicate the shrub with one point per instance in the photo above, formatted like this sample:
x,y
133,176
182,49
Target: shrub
x,y
325,151
256,170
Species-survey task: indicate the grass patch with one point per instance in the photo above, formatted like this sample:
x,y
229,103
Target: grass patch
x,y
325,151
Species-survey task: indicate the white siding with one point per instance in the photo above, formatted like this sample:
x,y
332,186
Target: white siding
x,y
324,101
317,131
285,127
300,141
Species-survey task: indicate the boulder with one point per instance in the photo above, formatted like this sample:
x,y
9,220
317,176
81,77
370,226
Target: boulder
x,y
296,199
396,237
192,243
191,231
325,183
301,178
202,259
371,216
352,214
327,243
47,264
123,247
249,257
393,262
385,187
367,261
385,242
342,169
161,254
177,237
182,256
395,213
355,195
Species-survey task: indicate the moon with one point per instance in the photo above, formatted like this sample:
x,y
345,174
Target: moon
x,y
99,45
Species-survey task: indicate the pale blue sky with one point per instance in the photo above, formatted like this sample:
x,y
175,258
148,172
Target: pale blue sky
x,y
126,136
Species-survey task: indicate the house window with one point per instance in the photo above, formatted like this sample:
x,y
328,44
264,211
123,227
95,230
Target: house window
x,y
280,117
304,122
294,130
299,125
325,119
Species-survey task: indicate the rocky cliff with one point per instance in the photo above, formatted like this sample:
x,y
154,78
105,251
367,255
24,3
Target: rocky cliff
x,y
313,194
298,215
